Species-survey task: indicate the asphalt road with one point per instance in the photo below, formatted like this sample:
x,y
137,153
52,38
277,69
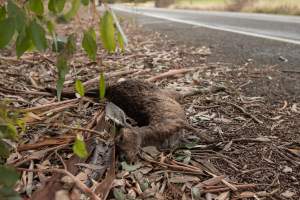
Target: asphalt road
x,y
232,37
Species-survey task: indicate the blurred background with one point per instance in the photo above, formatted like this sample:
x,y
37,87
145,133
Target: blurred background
x,y
287,7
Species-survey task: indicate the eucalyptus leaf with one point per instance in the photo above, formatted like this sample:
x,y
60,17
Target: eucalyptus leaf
x,y
119,194
121,41
4,151
120,31
23,42
79,147
8,130
56,6
36,6
79,88
63,69
59,5
130,168
102,86
8,193
7,31
8,176
73,11
93,33
85,2
107,31
51,27
89,45
16,13
38,37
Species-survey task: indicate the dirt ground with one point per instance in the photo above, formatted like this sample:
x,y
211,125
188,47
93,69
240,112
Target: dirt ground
x,y
253,114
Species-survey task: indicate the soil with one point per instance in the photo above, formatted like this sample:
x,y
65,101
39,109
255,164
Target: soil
x,y
255,118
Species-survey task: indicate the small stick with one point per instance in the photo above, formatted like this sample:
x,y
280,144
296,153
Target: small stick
x,y
69,105
102,134
174,166
229,185
14,91
169,73
285,104
109,75
49,105
247,186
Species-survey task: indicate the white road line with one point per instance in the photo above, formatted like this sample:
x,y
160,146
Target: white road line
x,y
208,26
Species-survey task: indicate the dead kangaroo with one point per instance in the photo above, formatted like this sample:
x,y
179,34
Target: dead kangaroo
x,y
158,115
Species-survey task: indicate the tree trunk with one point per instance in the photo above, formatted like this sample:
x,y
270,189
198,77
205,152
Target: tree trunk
x,y
163,3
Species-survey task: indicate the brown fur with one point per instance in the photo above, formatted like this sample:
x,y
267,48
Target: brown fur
x,y
158,115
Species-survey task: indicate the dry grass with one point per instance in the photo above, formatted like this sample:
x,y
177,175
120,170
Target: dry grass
x,y
201,4
289,7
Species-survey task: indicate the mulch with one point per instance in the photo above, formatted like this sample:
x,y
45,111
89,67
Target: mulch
x,y
252,112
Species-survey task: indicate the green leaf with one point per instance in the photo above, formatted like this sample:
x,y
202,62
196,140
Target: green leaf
x,y
7,31
63,69
130,168
107,32
79,88
2,12
4,151
79,147
51,6
8,193
89,45
23,42
8,176
38,37
73,11
93,33
17,14
119,194
8,130
36,6
56,6
59,5
121,41
85,2
102,86
51,27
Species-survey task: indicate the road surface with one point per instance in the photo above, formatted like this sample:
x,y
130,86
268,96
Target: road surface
x,y
232,37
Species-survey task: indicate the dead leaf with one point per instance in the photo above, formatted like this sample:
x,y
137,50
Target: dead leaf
x,y
119,194
151,150
223,196
295,108
247,194
130,168
288,194
287,169
145,170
